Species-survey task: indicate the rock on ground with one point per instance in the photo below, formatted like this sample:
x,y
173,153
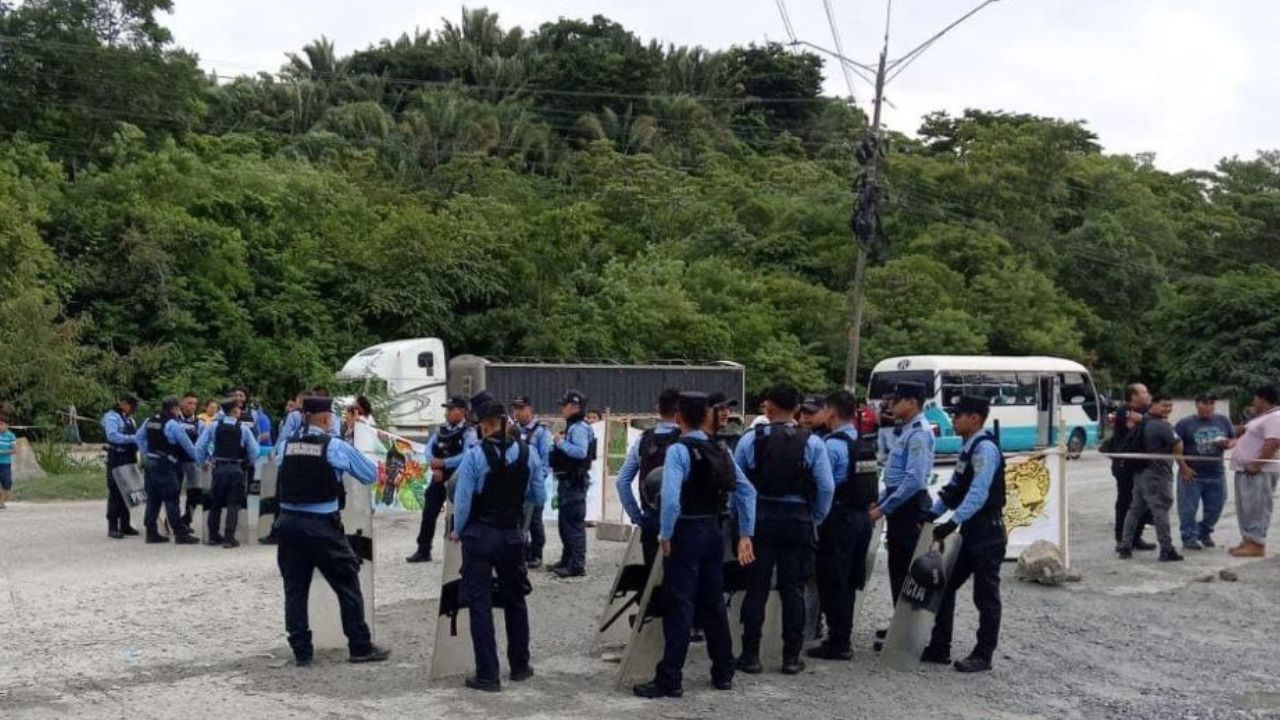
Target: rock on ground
x,y
1042,563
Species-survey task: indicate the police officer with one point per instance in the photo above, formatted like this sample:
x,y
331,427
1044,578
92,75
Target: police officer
x,y
227,445
721,407
122,449
165,444
189,476
792,476
905,499
975,498
698,478
813,416
844,536
293,421
538,437
571,457
495,481
645,456
309,531
444,455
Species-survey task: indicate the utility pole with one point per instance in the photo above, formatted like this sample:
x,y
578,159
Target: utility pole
x,y
865,222
866,218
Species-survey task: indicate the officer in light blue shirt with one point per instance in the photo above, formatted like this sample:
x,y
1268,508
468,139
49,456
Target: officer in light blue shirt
x,y
538,436
646,455
309,532
166,445
905,501
443,456
228,446
791,472
975,496
571,458
700,481
122,449
843,538
495,481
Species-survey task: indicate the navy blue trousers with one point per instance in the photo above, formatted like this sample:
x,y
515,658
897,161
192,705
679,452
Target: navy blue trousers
x,y
693,586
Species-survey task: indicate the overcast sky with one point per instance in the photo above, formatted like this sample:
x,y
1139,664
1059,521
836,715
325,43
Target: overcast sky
x,y
1190,80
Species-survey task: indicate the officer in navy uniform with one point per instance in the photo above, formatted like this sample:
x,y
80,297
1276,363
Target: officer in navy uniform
x,y
698,478
571,457
165,444
443,455
496,480
227,445
844,536
645,456
905,499
538,437
309,532
791,473
975,497
122,449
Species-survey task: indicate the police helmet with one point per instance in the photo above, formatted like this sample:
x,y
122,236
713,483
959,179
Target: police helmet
x,y
929,571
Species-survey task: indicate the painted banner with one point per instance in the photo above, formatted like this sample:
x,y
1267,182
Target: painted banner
x,y
1035,499
402,468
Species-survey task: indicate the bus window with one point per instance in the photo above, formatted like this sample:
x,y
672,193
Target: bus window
x,y
1028,388
952,389
1003,388
882,383
1074,388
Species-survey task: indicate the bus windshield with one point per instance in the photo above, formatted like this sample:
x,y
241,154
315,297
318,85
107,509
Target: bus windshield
x,y
882,383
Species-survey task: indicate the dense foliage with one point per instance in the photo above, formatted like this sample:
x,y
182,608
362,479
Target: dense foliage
x,y
570,192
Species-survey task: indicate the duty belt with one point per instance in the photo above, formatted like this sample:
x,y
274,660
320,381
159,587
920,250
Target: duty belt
x,y
162,456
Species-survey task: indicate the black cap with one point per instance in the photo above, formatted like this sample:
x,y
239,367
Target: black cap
x,y
1206,398
457,401
521,401
693,401
909,391
719,399
972,404
316,404
481,399
490,410
812,404
573,397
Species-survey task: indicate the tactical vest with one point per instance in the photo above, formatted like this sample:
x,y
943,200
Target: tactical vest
x,y
570,469
781,467
956,490
652,452
192,429
527,434
157,442
450,442
861,488
501,503
711,478
306,476
228,443
118,455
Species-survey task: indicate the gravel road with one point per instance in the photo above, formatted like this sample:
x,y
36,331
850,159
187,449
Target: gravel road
x,y
92,628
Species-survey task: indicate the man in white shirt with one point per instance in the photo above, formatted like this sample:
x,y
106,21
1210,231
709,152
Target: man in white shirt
x,y
1255,479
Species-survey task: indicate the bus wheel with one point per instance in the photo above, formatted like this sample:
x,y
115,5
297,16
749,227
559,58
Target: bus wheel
x,y
1075,444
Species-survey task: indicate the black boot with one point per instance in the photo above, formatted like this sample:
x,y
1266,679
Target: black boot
x,y
419,557
187,539
155,537
476,683
373,654
973,664
128,531
749,662
792,665
652,689
826,652
937,656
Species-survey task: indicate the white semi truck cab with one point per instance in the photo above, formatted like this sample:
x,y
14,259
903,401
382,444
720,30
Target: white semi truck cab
x,y
408,376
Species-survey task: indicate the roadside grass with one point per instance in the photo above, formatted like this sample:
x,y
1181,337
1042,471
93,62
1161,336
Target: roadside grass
x,y
76,485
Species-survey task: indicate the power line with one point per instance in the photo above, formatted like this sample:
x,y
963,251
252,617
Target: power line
x,y
835,37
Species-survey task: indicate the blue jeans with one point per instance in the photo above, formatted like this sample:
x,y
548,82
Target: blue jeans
x,y
1213,493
